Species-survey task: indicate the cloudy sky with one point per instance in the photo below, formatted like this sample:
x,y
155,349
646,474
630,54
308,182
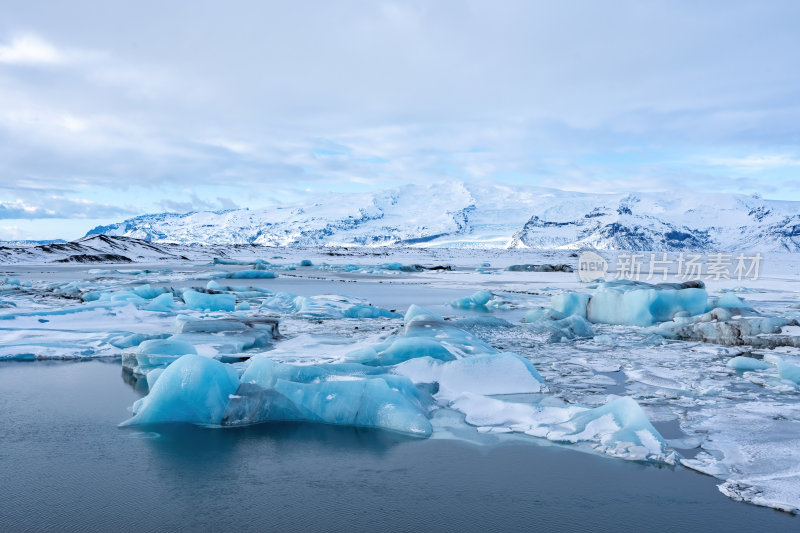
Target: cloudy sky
x,y
113,109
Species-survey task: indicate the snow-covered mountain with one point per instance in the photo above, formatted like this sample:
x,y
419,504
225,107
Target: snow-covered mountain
x,y
456,214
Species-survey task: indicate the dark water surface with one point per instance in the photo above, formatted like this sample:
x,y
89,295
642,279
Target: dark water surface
x,y
66,466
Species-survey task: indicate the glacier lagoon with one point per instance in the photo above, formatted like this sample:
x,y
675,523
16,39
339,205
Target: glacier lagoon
x,y
516,378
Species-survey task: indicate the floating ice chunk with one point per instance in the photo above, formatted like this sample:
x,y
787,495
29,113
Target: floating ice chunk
x,y
252,274
261,370
746,363
642,304
364,403
155,353
730,300
405,348
163,303
306,263
165,347
415,311
620,428
542,313
423,323
789,372
226,336
213,286
147,292
504,373
132,339
426,335
479,299
556,326
752,446
368,311
721,326
482,301
570,303
329,393
209,302
193,389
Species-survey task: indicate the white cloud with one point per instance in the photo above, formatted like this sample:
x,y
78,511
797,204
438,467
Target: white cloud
x,y
754,162
29,49
13,233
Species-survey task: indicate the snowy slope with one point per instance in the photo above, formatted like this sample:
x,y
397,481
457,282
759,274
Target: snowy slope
x,y
456,214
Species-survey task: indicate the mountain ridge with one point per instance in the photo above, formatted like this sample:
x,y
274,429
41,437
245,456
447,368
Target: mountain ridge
x,y
456,214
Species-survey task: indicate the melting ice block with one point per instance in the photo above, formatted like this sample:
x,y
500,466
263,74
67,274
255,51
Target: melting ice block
x,y
570,303
363,403
726,326
634,303
155,353
504,373
426,334
481,301
209,302
620,428
341,394
557,326
193,389
746,363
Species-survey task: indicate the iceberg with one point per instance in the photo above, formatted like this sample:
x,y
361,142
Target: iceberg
x,y
192,389
570,303
209,302
369,403
642,304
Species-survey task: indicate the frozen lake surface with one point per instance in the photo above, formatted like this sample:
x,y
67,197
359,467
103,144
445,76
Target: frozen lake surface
x,y
600,425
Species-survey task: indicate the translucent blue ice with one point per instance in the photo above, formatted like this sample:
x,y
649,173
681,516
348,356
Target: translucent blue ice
x,y
746,363
570,303
642,304
192,389
481,301
368,403
789,372
504,373
252,274
164,303
557,326
620,426
209,302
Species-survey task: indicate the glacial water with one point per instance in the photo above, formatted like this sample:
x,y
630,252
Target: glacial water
x,y
66,466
